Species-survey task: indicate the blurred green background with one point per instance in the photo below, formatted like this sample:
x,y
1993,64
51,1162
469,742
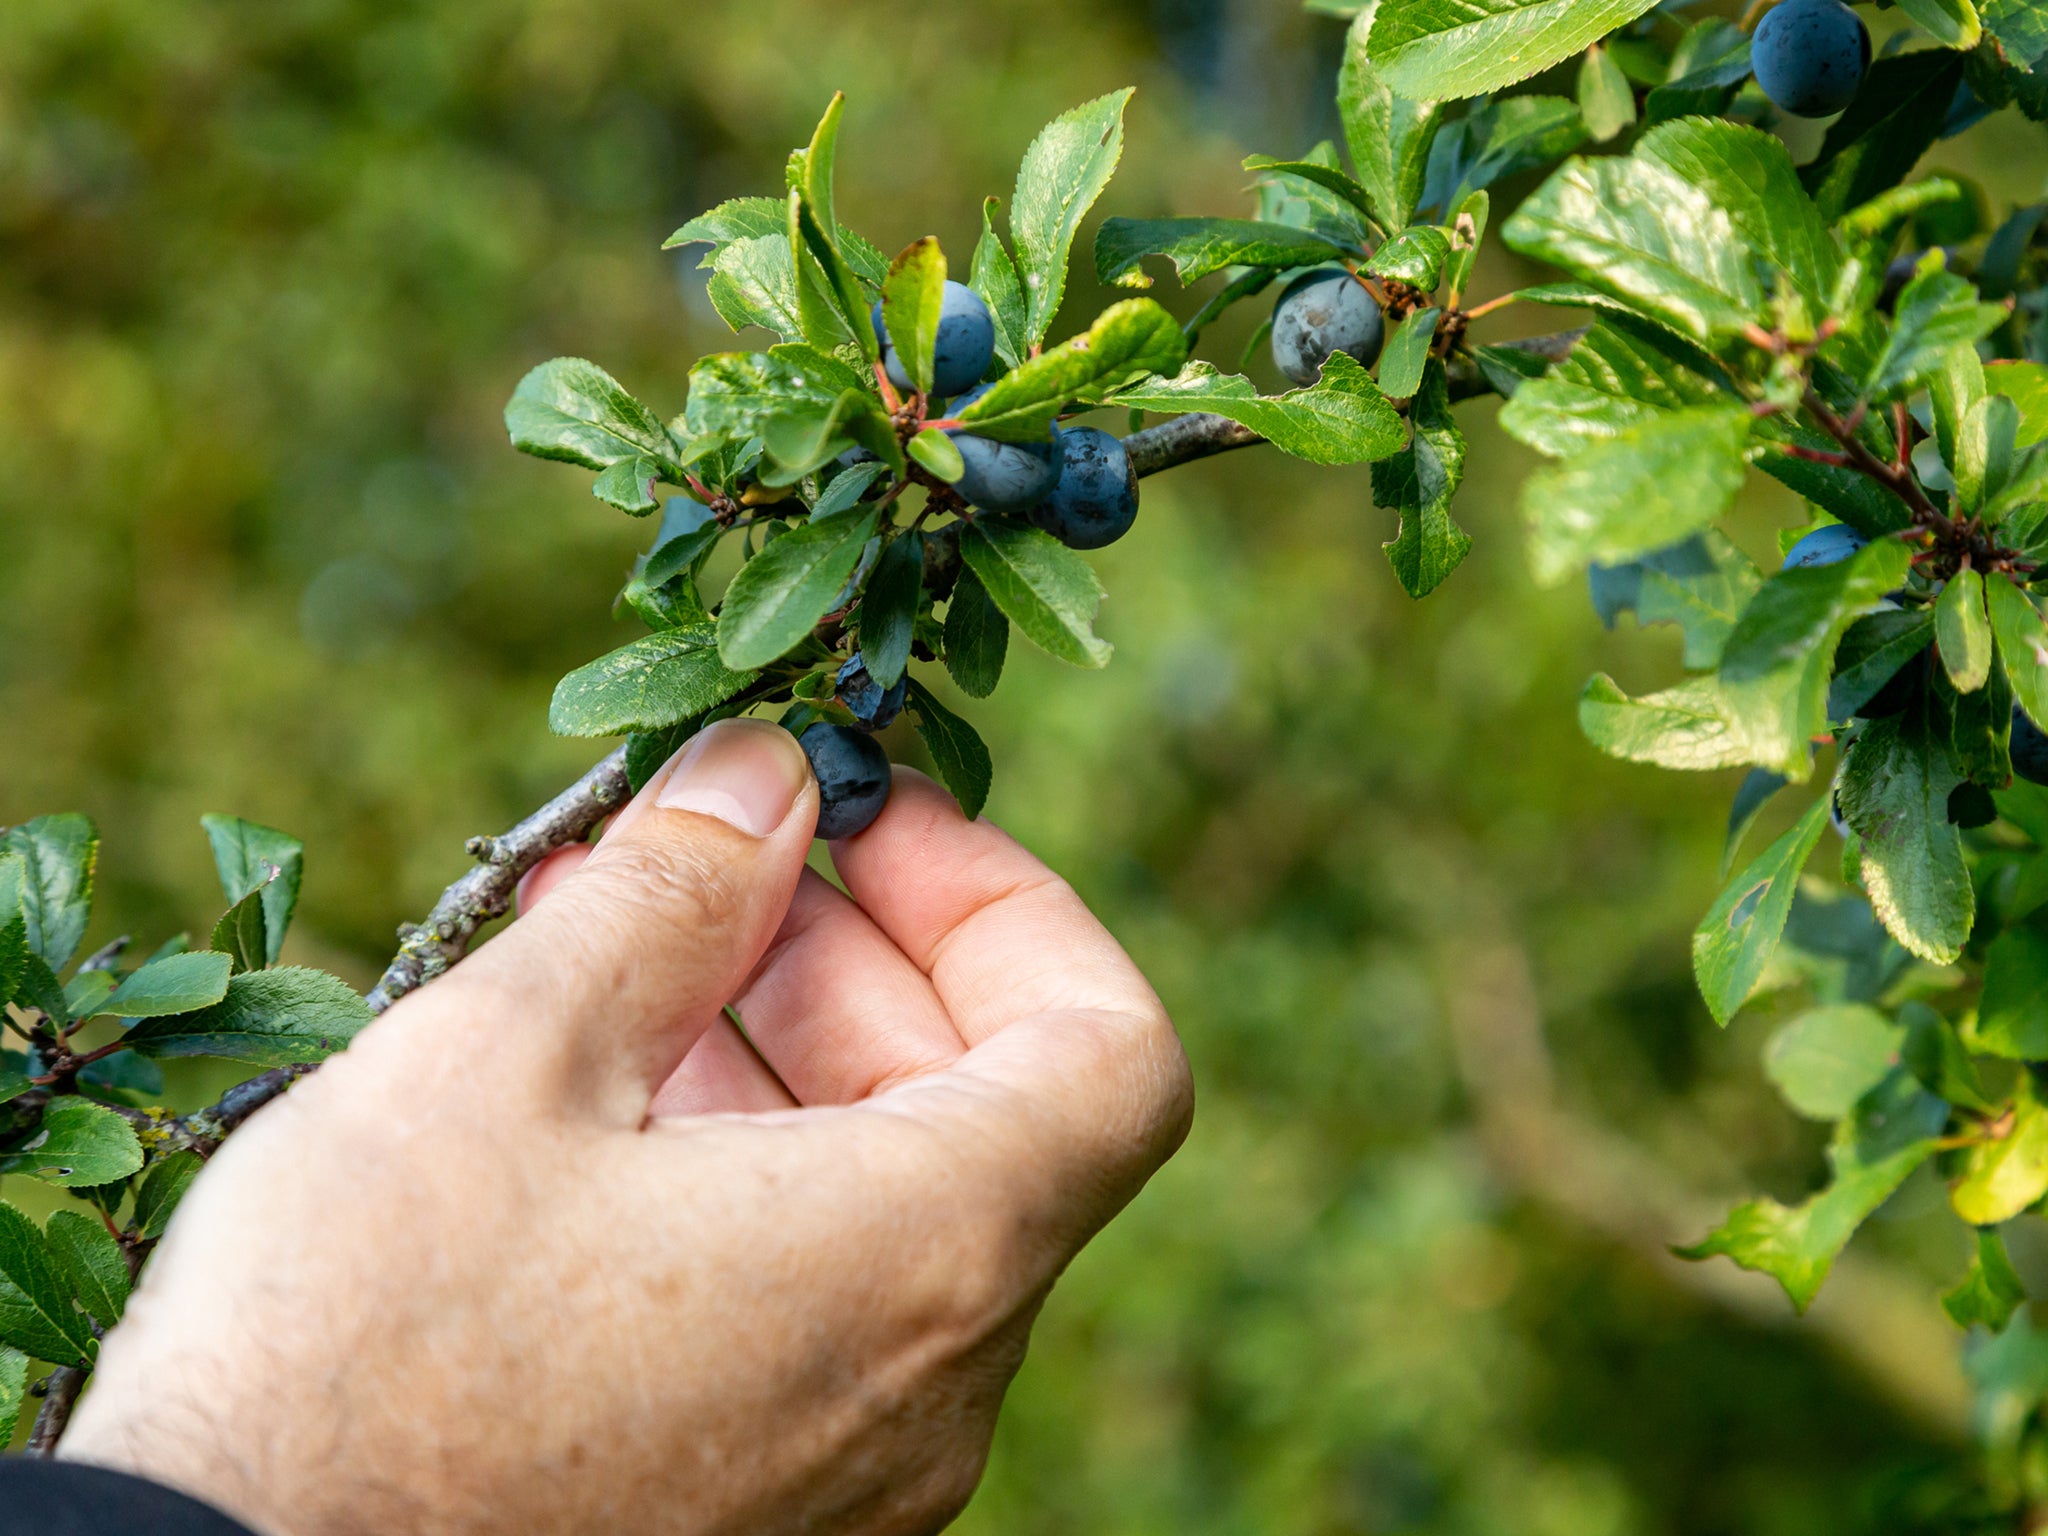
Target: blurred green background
x,y
268,270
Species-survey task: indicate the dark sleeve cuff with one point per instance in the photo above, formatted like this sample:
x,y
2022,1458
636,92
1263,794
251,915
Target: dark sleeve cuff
x,y
69,1498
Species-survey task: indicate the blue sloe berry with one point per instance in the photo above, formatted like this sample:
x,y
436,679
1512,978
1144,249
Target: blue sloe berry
x,y
2029,748
1320,313
1829,545
1096,500
966,343
872,705
852,772
1000,476
1810,55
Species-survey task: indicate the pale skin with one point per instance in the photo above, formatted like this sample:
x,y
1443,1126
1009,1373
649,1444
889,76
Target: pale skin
x,y
552,1248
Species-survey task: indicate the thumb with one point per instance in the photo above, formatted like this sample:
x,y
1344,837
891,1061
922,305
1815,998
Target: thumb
x,y
614,977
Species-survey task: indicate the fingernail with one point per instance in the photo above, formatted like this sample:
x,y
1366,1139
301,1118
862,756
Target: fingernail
x,y
747,773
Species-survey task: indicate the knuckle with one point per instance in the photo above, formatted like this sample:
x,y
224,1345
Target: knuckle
x,y
682,882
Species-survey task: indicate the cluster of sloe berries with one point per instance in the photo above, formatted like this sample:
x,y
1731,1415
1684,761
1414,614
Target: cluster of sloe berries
x,y
1809,56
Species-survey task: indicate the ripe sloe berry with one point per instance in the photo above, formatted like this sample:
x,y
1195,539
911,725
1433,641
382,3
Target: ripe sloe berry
x,y
873,706
1825,546
1320,313
853,778
1809,56
1000,476
966,343
1096,500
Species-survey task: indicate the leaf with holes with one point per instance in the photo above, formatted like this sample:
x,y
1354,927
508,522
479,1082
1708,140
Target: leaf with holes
x,y
76,1144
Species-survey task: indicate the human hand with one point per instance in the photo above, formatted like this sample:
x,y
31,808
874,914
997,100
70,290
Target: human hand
x,y
551,1249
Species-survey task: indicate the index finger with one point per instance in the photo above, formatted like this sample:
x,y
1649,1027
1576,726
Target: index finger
x,y
1001,936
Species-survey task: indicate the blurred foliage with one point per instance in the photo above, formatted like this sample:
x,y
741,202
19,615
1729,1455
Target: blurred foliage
x,y
268,269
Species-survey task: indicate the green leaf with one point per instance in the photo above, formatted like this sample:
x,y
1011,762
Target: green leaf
x,y
1962,628
270,1018
629,485
1415,256
13,1391
1419,483
1309,180
1198,247
733,394
653,682
1870,655
779,596
1837,490
804,438
1499,139
1682,727
753,282
1127,341
1062,174
90,1262
1702,586
1757,789
1619,374
976,636
1637,230
574,411
14,952
1389,136
1895,784
2021,27
175,984
1951,23
1776,665
36,1314
1707,70
1990,1290
842,495
1983,458
911,301
1467,219
1651,485
58,857
249,856
1749,176
2022,644
957,752
1407,350
2012,1016
1434,49
888,608
938,453
1607,102
1824,1061
2026,384
1736,939
1936,1056
2003,1176
86,992
77,1144
1340,419
993,275
1046,589
741,218
161,1190
1798,1245
1893,121
1936,313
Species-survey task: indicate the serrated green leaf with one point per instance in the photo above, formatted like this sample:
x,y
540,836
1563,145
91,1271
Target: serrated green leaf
x,y
888,608
806,436
1681,727
14,952
36,1314
1437,49
1962,628
1702,585
1837,490
573,411
13,1390
1389,136
1406,353
1990,1290
2003,1175
653,682
59,854
1467,220
2021,27
86,992
993,275
1825,1060
2022,641
1741,931
271,1018
1419,483
1870,655
1062,174
740,218
1498,139
1984,454
957,751
1637,230
1758,787
161,1190
1353,201
1650,485
175,984
1415,256
1607,102
629,485
239,934
1936,313
1619,374
938,453
1198,247
2026,385
1893,121
732,394
1341,419
1951,23
779,596
2012,1016
912,299
753,282
976,636
1707,69
1043,587
1128,341
76,1144
1895,784
1935,1054
89,1260
844,493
